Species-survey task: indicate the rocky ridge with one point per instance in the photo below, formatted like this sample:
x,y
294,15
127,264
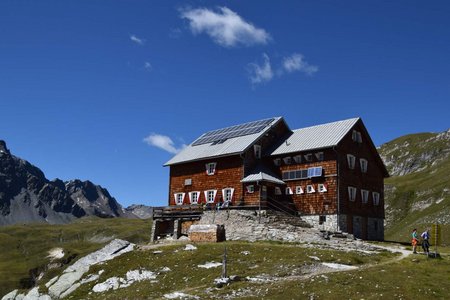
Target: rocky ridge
x,y
27,196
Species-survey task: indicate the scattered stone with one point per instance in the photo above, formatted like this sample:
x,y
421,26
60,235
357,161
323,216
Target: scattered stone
x,y
190,247
157,252
210,265
245,252
314,258
339,266
166,269
56,253
115,283
176,295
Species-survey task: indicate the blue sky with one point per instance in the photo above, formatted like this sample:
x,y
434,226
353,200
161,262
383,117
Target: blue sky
x,y
109,90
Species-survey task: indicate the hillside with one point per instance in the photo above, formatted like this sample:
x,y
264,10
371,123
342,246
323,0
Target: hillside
x,y
27,196
418,191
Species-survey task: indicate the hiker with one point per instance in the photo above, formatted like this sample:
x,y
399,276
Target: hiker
x,y
426,241
414,240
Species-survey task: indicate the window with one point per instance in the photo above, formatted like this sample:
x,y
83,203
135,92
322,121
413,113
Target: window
x,y
277,161
376,198
210,196
319,156
211,168
363,162
308,157
351,193
356,136
322,188
364,196
227,194
310,189
277,191
351,159
193,197
179,198
257,151
298,159
288,191
287,160
250,188
322,219
299,190
188,181
315,172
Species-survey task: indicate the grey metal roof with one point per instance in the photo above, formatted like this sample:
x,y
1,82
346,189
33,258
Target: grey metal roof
x,y
261,176
315,137
230,146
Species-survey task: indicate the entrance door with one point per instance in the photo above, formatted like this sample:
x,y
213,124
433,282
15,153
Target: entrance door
x,y
264,192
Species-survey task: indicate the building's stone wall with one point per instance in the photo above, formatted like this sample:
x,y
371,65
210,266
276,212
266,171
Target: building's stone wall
x,y
323,222
251,225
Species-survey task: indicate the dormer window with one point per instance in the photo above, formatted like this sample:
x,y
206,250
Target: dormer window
x,y
319,156
308,157
257,151
356,136
351,160
211,168
287,160
298,159
363,162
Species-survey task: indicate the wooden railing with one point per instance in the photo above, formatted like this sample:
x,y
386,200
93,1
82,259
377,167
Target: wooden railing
x,y
280,206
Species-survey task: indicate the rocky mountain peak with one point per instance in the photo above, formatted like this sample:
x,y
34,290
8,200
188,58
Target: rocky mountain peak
x,y
3,148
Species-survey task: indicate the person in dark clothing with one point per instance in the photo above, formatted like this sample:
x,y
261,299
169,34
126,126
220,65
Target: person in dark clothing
x,y
426,241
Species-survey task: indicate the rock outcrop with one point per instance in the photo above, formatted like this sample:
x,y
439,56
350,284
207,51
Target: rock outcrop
x,y
27,196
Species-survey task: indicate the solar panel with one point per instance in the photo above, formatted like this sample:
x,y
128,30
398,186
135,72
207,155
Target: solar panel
x,y
222,134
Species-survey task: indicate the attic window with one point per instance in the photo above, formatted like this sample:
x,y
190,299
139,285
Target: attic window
x,y
322,188
310,189
287,160
288,191
211,168
363,162
351,193
356,136
376,198
298,159
250,189
277,161
365,196
319,156
351,159
257,151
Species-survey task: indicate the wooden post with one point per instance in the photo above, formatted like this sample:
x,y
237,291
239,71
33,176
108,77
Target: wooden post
x,y
224,263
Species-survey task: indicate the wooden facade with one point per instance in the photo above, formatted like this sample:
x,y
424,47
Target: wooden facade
x,y
342,180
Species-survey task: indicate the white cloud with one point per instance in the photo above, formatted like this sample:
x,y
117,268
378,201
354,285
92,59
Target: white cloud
x,y
260,73
148,66
163,142
225,27
296,62
137,40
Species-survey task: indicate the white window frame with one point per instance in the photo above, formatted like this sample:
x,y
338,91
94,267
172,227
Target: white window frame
x,y
257,151
364,196
207,193
351,160
224,194
277,162
211,168
277,191
179,198
319,156
287,160
376,198
250,189
322,187
299,190
191,197
289,191
356,136
310,189
352,193
363,163
298,159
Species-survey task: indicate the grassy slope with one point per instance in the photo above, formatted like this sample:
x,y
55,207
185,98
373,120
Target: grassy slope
x,y
25,247
426,186
395,280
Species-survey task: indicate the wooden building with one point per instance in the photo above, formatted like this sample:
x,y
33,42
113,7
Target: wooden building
x,y
331,174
